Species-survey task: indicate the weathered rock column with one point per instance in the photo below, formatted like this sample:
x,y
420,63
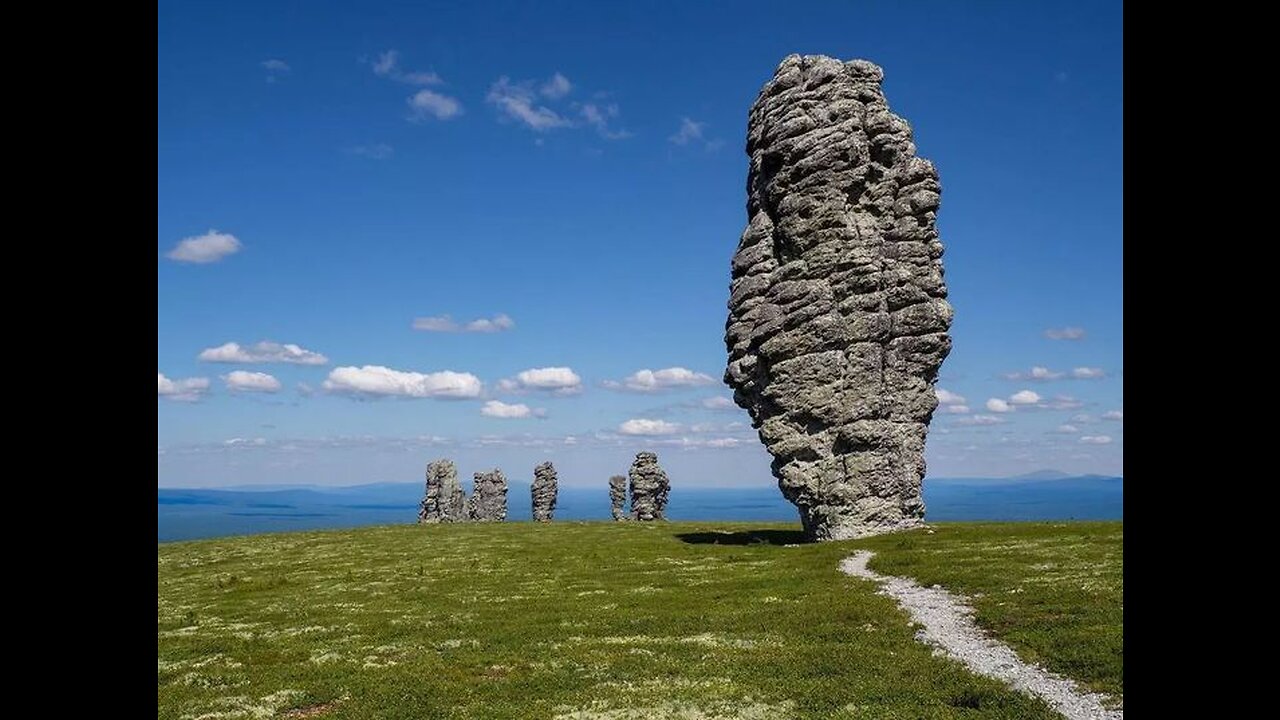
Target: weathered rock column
x,y
618,496
838,319
544,491
489,497
444,501
649,488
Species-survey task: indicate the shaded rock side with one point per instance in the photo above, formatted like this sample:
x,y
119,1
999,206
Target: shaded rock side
x,y
444,500
544,491
649,488
488,501
618,496
838,319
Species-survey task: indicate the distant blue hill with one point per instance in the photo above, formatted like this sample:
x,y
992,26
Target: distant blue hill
x,y
186,514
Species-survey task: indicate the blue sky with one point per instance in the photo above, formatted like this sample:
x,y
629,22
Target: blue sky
x,y
572,174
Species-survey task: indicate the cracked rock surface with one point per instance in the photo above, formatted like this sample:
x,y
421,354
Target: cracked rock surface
x,y
544,491
618,496
444,501
838,319
488,501
649,488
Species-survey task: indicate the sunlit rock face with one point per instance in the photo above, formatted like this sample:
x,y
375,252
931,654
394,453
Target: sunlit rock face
x,y
444,500
488,502
838,319
544,490
649,488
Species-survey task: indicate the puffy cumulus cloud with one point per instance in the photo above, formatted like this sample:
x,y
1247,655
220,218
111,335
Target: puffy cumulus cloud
x,y
1096,439
182,390
263,352
1038,373
518,411
1117,415
1088,373
426,104
518,101
996,405
1067,430
980,420
644,426
718,402
1024,397
556,87
556,380
946,397
1065,333
375,380
647,381
443,323
956,409
242,381
207,248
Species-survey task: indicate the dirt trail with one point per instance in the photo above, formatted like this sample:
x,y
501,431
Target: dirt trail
x,y
949,628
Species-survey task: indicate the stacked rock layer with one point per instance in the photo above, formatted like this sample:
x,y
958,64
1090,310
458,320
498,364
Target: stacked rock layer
x,y
444,500
618,496
838,319
649,488
544,491
489,497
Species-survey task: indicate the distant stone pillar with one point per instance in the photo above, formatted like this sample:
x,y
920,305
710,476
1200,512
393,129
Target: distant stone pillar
x,y
618,496
649,488
544,492
444,501
489,497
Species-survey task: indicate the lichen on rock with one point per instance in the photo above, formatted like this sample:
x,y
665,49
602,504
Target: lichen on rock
x,y
544,490
838,319
649,488
488,501
444,501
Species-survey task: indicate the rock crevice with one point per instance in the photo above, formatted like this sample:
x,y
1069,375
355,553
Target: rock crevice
x,y
838,319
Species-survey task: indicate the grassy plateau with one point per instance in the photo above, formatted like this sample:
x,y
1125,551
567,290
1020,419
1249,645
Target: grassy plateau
x,y
612,621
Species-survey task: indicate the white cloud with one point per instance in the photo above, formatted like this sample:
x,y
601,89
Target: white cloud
x,y
980,420
657,380
996,405
388,65
275,68
690,131
1088,373
517,101
499,409
444,323
643,426
1067,430
263,352
426,103
377,151
956,409
208,248
251,381
1117,415
1024,397
184,390
378,380
598,118
1037,373
718,403
243,442
558,380
557,87
946,397
1096,439
1066,333
1061,402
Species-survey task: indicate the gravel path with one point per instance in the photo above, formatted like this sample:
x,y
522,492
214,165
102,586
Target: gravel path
x,y
949,626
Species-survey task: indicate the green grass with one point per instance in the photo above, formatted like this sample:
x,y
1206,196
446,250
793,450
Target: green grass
x,y
588,620
1053,591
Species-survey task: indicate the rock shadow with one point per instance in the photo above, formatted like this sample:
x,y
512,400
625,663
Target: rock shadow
x,y
746,537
